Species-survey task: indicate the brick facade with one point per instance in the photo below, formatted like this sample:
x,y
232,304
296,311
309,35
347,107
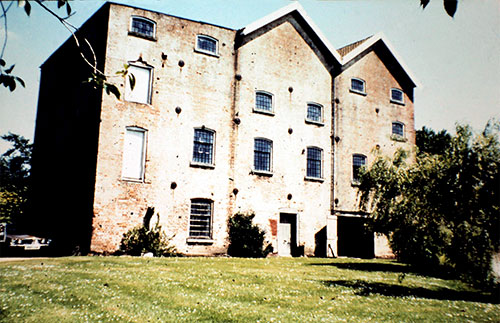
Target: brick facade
x,y
287,59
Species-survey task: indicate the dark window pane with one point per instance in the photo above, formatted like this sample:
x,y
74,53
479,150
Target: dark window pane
x,y
357,85
203,146
207,44
264,101
397,95
262,154
397,129
358,161
314,112
143,27
314,162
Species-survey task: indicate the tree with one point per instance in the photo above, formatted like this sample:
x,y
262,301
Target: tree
x,y
245,238
14,178
430,142
97,78
442,212
450,6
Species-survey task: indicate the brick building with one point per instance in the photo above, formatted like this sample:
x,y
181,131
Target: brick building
x,y
269,119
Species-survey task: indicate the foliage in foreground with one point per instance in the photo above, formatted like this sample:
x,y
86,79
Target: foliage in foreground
x,y
143,239
245,238
200,289
442,212
15,165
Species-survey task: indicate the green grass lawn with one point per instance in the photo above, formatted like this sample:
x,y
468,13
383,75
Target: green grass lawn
x,y
126,289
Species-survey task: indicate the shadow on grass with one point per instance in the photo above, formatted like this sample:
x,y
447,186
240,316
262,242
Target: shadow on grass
x,y
392,267
364,288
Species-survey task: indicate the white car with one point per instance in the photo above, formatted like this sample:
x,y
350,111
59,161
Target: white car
x,y
12,243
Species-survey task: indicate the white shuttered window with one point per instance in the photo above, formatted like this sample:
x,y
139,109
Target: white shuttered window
x,y
134,153
142,89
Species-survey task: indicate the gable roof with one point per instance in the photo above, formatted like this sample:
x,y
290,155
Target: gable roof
x,y
370,42
294,7
344,55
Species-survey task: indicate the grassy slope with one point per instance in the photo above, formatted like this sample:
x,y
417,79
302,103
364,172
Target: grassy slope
x,y
221,289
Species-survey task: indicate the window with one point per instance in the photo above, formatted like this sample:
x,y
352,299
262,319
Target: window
x,y
358,86
262,154
142,88
314,113
264,102
358,161
134,154
200,222
397,96
143,27
314,160
398,129
203,147
206,44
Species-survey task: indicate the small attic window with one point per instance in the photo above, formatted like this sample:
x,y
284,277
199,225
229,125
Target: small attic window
x,y
397,96
143,27
358,86
207,45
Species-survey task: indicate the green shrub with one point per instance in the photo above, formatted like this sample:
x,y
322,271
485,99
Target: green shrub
x,y
142,239
246,239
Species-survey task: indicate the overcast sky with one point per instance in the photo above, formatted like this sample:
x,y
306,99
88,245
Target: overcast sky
x,y
456,60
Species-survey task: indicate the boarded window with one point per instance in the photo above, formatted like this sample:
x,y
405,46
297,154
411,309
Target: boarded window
x,y
134,153
141,92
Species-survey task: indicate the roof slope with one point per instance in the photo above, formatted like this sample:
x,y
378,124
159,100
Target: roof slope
x,y
343,51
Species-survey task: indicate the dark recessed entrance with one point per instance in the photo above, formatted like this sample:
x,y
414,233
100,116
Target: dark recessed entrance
x,y
354,240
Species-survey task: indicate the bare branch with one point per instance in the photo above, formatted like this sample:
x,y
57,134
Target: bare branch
x,y
4,15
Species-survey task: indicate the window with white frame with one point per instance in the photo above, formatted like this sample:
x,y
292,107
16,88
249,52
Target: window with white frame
x,y
141,93
206,44
358,86
398,129
200,221
314,113
134,151
397,96
314,162
263,149
203,146
358,161
144,27
263,102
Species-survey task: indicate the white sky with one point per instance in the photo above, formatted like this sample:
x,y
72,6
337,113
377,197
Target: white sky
x,y
456,60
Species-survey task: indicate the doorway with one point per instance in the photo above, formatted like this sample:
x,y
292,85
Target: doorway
x,y
287,235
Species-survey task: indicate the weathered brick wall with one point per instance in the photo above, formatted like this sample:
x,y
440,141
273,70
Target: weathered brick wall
x,y
202,88
275,61
363,125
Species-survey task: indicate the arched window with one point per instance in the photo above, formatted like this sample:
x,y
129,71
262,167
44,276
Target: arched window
x,y
397,96
398,129
358,86
140,26
314,113
206,44
263,151
263,102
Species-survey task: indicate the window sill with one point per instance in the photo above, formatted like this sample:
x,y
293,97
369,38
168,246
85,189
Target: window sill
x,y
201,165
355,183
262,173
269,113
135,34
138,102
196,50
398,102
133,180
314,179
314,122
357,92
398,138
192,240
